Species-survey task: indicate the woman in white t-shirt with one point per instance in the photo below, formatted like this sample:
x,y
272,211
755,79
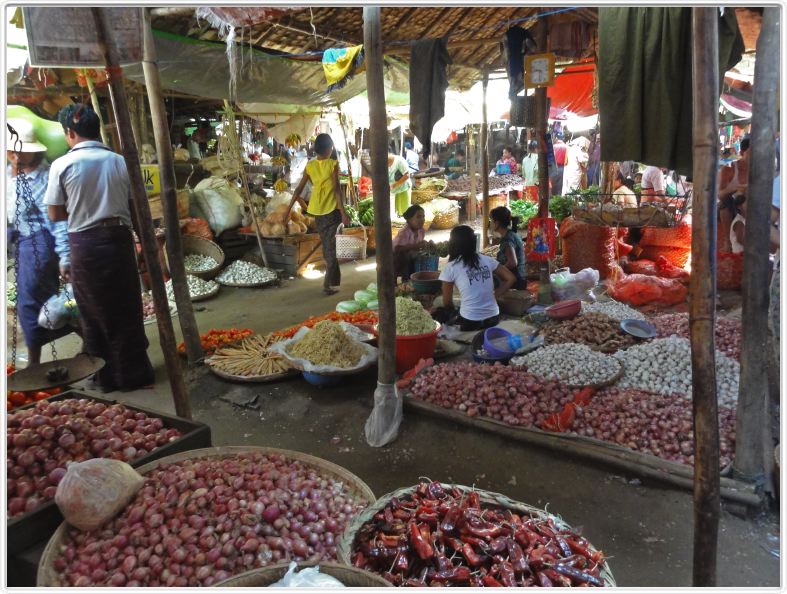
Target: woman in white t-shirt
x,y
472,274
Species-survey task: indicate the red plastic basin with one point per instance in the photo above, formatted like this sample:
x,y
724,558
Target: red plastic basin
x,y
411,349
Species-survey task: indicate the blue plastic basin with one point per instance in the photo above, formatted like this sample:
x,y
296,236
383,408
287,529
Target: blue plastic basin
x,y
315,379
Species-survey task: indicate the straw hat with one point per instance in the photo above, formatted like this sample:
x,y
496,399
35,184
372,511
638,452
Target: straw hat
x,y
25,133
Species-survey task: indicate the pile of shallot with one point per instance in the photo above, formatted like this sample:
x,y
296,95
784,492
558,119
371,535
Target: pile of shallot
x,y
728,331
505,393
43,439
203,520
650,423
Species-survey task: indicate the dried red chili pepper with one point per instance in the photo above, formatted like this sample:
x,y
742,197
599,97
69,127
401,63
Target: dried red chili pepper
x,y
422,547
517,556
455,574
491,582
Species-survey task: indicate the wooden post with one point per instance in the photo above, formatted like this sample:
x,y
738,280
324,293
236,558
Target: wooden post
x,y
169,202
702,299
484,164
96,107
378,136
753,393
542,115
142,208
472,198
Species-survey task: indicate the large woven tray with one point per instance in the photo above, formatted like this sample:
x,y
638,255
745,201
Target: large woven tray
x,y
346,545
48,575
252,285
252,379
208,295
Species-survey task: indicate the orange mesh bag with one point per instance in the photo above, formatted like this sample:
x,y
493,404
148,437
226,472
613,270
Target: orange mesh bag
x,y
729,270
642,267
675,256
640,289
589,246
673,237
197,227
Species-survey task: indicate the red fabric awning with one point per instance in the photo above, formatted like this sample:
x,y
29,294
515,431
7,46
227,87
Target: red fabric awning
x,y
572,92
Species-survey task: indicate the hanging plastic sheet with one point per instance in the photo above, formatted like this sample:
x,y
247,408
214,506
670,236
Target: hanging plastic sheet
x,y
200,68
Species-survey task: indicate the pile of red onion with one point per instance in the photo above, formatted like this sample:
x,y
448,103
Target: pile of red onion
x,y
42,439
650,423
200,521
505,393
728,331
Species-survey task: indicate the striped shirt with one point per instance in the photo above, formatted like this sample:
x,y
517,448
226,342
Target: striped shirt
x,y
33,216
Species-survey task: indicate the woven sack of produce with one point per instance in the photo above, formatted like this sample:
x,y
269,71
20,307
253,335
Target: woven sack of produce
x,y
640,289
673,237
589,246
674,255
729,270
196,226
221,203
641,267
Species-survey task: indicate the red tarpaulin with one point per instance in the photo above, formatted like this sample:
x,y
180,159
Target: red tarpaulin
x,y
572,92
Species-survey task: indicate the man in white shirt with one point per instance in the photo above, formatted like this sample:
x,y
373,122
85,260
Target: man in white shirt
x,y
89,187
653,184
413,162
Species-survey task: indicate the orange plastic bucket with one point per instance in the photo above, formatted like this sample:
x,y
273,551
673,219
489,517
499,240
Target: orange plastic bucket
x,y
411,349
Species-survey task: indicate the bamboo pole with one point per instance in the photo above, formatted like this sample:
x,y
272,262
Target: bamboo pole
x,y
753,393
142,208
702,299
484,164
542,114
350,183
91,88
472,198
169,203
378,136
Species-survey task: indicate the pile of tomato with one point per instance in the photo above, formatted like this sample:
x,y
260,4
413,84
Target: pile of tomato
x,y
366,317
214,339
16,399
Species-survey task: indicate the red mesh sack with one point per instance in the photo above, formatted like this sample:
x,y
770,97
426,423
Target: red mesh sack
x,y
642,267
198,227
589,246
675,256
674,237
640,289
729,270
668,270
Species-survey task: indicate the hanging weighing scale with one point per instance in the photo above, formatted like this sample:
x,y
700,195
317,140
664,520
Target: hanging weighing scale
x,y
55,373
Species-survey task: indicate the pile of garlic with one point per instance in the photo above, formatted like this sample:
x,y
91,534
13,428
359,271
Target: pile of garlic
x,y
197,287
663,366
614,309
241,272
198,263
573,364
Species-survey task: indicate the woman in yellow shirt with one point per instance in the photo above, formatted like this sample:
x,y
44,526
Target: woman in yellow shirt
x,y
325,205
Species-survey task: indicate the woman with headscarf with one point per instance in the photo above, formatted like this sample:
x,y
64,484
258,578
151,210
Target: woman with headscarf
x,y
577,157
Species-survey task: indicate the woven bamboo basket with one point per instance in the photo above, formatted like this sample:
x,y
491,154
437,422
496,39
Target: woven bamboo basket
x,y
446,220
349,576
48,576
348,541
428,190
204,247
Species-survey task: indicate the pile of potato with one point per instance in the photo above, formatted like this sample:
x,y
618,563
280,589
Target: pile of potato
x,y
277,223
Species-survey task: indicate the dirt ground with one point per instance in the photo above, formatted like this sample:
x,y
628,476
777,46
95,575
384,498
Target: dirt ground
x,y
644,527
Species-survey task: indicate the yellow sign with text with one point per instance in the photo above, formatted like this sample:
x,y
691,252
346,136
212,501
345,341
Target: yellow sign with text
x,y
150,175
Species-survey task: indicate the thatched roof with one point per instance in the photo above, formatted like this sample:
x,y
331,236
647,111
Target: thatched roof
x,y
475,32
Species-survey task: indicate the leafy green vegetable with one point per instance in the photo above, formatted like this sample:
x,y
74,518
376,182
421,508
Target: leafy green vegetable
x,y
353,214
560,207
524,209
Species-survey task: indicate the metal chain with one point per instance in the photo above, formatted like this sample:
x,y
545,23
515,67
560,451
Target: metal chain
x,y
26,195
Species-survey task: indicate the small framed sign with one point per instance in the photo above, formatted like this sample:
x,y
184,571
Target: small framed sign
x,y
539,70
540,242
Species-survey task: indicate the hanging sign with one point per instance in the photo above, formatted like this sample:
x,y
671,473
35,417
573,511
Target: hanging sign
x,y
65,37
540,242
539,70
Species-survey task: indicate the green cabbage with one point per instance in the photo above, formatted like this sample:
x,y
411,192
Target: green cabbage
x,y
348,306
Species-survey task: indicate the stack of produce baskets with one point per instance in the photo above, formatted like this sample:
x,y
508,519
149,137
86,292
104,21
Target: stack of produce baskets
x,y
428,189
446,213
436,534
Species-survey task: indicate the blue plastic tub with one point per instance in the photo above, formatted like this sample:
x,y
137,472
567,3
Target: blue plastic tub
x,y
323,381
426,263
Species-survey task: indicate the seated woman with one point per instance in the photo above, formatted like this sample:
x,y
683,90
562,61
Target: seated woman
x,y
409,241
512,249
622,194
472,273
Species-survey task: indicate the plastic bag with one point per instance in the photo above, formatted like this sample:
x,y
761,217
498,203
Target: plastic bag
x,y
59,310
348,306
640,289
279,199
566,285
382,426
363,297
220,202
93,492
368,358
309,577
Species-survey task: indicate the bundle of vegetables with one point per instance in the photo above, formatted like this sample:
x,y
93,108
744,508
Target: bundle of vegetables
x,y
656,424
574,364
501,392
277,223
202,520
214,339
197,287
525,210
251,358
366,212
43,439
728,331
596,330
663,365
411,318
363,299
560,207
365,318
445,535
327,344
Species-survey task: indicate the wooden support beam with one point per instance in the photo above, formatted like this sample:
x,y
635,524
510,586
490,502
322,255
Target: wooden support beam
x,y
147,236
753,395
702,297
485,164
541,31
169,202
